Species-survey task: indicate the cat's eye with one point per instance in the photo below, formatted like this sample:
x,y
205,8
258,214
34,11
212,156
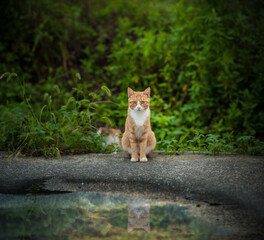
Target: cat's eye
x,y
142,102
134,102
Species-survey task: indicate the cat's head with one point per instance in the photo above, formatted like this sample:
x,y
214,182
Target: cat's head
x,y
138,101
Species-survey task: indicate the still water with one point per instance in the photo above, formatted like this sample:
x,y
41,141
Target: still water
x,y
98,216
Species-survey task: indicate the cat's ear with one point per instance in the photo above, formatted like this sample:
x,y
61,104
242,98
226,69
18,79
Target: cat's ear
x,y
130,92
147,92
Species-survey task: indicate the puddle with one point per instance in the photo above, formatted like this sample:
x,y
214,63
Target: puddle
x,y
99,216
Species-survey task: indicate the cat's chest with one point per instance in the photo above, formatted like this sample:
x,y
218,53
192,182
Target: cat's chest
x,y
140,117
139,130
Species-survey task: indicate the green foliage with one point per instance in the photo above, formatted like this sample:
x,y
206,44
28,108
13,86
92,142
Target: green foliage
x,y
212,143
249,144
203,60
52,129
190,62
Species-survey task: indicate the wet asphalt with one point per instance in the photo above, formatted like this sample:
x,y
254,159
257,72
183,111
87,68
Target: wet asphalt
x,y
225,180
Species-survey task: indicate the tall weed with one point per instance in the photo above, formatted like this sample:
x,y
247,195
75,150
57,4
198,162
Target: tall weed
x,y
51,130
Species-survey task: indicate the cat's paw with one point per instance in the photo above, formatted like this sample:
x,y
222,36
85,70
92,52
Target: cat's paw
x,y
144,159
133,160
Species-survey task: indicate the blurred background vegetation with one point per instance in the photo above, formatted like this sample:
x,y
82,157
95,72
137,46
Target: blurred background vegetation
x,y
65,67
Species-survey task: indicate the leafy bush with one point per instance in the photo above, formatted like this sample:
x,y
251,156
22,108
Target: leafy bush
x,y
203,60
212,144
53,129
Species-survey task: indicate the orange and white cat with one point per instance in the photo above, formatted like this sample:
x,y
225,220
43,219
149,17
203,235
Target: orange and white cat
x,y
138,140
111,136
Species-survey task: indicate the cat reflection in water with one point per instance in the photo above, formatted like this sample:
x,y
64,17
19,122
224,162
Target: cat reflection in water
x,y
138,215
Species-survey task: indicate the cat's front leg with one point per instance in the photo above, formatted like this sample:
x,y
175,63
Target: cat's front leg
x,y
143,146
133,144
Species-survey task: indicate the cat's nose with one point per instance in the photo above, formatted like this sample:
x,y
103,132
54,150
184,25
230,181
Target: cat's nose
x,y
138,108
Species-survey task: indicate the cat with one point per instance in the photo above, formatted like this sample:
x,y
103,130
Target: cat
x,y
138,215
138,138
111,136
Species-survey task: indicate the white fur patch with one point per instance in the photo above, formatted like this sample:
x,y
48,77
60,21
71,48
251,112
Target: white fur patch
x,y
148,150
109,139
128,150
117,140
139,117
138,107
144,159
